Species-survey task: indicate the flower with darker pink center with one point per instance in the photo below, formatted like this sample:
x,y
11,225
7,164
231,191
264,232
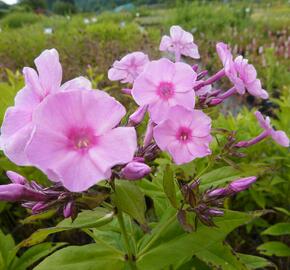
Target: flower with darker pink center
x,y
242,74
185,134
128,68
76,140
17,124
164,84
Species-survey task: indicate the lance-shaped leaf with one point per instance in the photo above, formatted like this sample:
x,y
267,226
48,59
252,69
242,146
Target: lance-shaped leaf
x,y
92,256
278,229
130,199
172,245
169,185
87,219
274,248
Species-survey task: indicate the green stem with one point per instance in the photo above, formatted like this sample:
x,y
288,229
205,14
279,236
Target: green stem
x,y
131,259
155,237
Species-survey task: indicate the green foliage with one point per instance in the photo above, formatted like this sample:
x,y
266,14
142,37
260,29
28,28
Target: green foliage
x,y
130,199
63,8
8,253
19,19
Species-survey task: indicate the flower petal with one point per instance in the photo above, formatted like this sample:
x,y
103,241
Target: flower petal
x,y
49,71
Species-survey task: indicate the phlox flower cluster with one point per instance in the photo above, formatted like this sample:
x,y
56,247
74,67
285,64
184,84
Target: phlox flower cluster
x,y
76,136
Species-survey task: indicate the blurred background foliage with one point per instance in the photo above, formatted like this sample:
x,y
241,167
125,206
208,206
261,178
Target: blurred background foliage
x,y
90,35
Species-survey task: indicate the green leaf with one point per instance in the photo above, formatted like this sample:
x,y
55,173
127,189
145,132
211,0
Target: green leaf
x,y
219,177
86,219
34,254
222,256
7,249
175,245
278,229
274,248
282,210
130,199
88,257
255,262
169,186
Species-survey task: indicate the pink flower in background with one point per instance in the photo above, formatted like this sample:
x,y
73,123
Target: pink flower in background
x,y
242,74
128,68
278,136
76,141
17,124
164,84
180,42
185,134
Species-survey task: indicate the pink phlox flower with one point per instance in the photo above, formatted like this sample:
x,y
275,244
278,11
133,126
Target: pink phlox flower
x,y
278,136
17,124
164,84
75,140
242,74
128,68
185,134
180,42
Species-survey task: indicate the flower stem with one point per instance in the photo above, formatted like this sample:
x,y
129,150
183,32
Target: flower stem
x,y
131,256
211,79
244,144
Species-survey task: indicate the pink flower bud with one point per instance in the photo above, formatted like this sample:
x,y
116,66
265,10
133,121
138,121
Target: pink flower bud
x,y
242,183
195,67
148,134
215,212
219,192
137,117
135,170
39,207
126,91
216,101
16,178
19,192
68,209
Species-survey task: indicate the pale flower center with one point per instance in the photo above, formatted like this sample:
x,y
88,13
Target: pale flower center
x,y
184,134
165,90
81,138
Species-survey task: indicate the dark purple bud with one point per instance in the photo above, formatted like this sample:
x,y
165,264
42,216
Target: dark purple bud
x,y
127,91
182,219
215,101
195,67
68,209
206,220
135,170
219,192
201,75
242,183
215,212
36,186
39,207
18,192
16,178
137,117
194,185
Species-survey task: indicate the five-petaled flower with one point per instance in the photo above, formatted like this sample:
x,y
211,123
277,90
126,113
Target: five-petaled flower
x,y
128,68
180,42
76,141
242,74
185,134
17,124
164,84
